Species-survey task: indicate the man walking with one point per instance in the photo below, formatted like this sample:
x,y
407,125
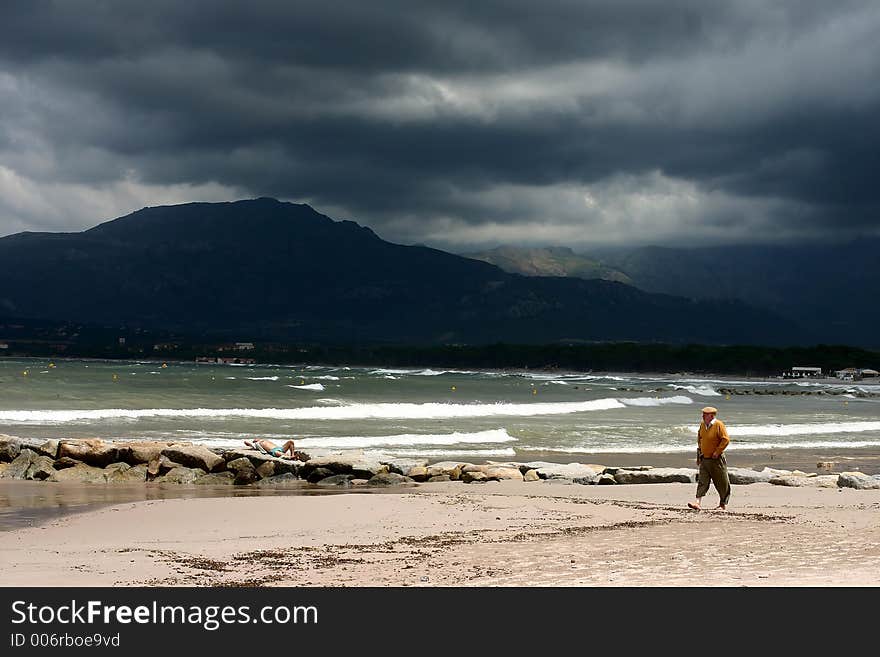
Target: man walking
x,y
712,440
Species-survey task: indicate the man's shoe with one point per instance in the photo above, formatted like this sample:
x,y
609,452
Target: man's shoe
x,y
693,506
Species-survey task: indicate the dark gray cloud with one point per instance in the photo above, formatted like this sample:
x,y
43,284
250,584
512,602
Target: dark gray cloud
x,y
451,123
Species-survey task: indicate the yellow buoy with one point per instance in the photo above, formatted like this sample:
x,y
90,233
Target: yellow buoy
x,y
25,373
534,391
115,377
453,388
164,364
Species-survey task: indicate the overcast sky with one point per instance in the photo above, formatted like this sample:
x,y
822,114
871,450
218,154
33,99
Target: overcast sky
x,y
457,124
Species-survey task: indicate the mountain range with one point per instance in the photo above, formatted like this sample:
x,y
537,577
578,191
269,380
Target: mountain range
x,y
829,289
268,270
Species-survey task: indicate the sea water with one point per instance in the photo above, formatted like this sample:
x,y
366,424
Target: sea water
x,y
437,414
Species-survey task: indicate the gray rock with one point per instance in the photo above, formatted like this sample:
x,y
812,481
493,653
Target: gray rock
x,y
565,470
141,451
403,466
473,477
10,448
587,480
389,479
180,476
224,478
857,480
161,466
336,480
820,481
606,479
531,475
245,472
656,476
437,478
265,470
354,462
615,470
92,451
194,456
744,476
29,465
134,475
80,473
40,446
286,479
65,462
318,474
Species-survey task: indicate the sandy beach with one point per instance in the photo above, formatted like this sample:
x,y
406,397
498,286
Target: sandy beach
x,y
450,534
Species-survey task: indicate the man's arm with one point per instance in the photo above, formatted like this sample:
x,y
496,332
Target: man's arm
x,y
723,443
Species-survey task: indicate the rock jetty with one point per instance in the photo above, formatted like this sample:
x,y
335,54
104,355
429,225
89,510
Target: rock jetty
x,y
95,461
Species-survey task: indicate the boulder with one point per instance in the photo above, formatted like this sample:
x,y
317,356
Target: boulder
x,y
656,476
80,473
336,480
744,476
565,470
224,478
92,451
587,481
818,481
389,479
473,477
130,474
531,475
467,468
286,479
194,456
403,466
417,473
437,478
180,475
499,473
356,462
10,448
41,446
318,474
451,468
29,465
265,470
244,470
857,480
161,466
65,462
605,479
141,451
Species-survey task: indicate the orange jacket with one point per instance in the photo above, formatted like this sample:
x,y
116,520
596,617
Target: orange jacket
x,y
712,440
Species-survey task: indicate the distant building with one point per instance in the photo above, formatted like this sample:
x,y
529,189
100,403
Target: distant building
x,y
802,372
4,345
856,373
244,346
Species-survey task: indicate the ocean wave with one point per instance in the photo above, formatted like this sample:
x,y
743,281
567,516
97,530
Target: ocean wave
x,y
309,386
704,391
407,440
445,453
261,378
669,448
802,429
348,412
656,401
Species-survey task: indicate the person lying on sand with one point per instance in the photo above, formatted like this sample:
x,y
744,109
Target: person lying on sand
x,y
268,447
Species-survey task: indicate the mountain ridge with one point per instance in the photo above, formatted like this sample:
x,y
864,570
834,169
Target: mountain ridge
x,y
276,270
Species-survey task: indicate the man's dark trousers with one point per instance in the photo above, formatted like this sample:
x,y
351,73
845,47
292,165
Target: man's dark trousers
x,y
714,470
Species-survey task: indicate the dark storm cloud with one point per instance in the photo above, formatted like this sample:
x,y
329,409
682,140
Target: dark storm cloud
x,y
426,118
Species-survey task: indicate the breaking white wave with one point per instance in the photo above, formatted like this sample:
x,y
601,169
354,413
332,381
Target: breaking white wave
x,y
349,412
802,429
408,440
656,401
444,453
309,386
669,448
261,378
704,391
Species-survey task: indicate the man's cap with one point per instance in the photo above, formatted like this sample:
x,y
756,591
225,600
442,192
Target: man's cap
x,y
710,409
